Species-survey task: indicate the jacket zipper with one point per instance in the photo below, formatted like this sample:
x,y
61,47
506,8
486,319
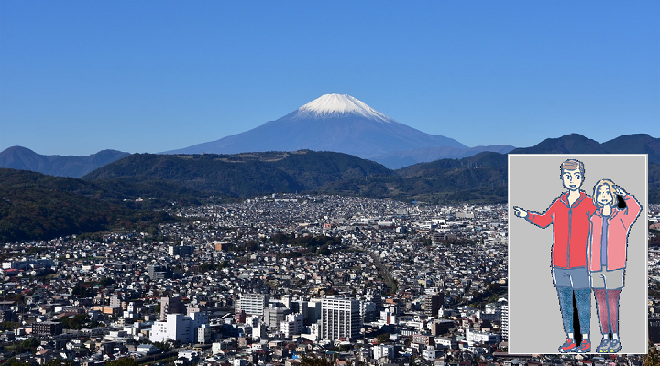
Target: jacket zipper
x,y
568,240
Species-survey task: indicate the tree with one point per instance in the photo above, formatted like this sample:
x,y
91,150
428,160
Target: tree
x,y
315,361
345,347
59,362
652,358
123,362
75,322
106,281
163,346
13,362
382,338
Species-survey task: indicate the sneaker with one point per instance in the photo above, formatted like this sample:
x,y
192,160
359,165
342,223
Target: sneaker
x,y
585,346
604,346
568,346
615,346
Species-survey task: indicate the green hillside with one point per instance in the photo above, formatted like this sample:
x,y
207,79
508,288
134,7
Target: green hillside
x,y
34,206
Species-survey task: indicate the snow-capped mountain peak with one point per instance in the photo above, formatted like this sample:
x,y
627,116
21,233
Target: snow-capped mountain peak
x,y
339,104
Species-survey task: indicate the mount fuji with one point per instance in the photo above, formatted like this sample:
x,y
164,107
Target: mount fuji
x,y
338,123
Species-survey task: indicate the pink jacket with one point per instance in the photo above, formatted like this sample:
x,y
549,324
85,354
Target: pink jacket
x,y
620,222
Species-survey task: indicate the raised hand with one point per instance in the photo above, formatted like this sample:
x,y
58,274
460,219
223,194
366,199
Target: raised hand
x,y
619,191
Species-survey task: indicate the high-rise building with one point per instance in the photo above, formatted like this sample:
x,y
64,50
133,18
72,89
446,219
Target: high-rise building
x,y
292,325
47,328
274,314
182,250
340,318
432,304
155,271
171,305
115,301
368,311
383,351
504,320
180,327
252,304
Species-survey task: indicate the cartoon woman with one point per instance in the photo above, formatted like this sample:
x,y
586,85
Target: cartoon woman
x,y
606,254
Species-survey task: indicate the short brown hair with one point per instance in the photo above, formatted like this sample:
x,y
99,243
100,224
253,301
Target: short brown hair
x,y
572,164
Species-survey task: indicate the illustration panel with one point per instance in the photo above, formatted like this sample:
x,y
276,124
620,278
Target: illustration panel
x,y
578,254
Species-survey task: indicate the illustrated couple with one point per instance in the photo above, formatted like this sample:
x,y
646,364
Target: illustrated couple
x,y
589,252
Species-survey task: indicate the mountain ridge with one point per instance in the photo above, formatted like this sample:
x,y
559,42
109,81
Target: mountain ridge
x,y
19,157
579,144
141,181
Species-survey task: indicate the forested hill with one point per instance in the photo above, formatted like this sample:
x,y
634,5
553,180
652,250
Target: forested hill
x,y
245,175
34,206
305,171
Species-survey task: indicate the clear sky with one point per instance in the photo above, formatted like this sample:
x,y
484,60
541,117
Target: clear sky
x,y
77,77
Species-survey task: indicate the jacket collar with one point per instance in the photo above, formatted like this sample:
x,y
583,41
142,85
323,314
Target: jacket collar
x,y
564,198
615,211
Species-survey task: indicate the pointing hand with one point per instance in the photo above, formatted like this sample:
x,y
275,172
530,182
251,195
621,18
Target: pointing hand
x,y
520,212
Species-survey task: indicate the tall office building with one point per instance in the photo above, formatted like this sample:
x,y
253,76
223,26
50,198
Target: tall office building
x,y
340,318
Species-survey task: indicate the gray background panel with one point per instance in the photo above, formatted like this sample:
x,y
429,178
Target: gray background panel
x,y
535,324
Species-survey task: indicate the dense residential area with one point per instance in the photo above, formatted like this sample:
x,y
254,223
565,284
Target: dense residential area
x,y
278,280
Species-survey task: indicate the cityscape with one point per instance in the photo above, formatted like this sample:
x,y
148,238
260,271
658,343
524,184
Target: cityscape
x,y
281,279
305,183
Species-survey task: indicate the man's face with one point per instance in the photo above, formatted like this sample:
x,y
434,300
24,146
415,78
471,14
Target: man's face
x,y
572,179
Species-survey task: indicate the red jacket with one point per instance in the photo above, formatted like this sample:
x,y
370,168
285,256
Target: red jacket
x,y
570,229
620,222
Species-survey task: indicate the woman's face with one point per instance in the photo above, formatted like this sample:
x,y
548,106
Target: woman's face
x,y
604,197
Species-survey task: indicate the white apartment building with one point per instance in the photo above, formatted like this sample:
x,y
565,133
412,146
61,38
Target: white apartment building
x,y
431,354
387,317
340,318
179,327
504,320
204,334
481,337
252,304
292,325
382,350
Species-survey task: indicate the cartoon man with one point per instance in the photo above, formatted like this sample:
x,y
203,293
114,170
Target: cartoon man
x,y
569,214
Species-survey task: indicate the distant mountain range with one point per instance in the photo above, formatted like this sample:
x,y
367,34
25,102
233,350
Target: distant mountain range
x,y
482,177
19,157
578,144
337,123
342,123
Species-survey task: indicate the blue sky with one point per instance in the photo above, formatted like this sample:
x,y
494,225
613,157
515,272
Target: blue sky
x,y
77,77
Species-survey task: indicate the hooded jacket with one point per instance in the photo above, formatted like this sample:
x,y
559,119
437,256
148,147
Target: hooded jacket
x,y
570,229
620,222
